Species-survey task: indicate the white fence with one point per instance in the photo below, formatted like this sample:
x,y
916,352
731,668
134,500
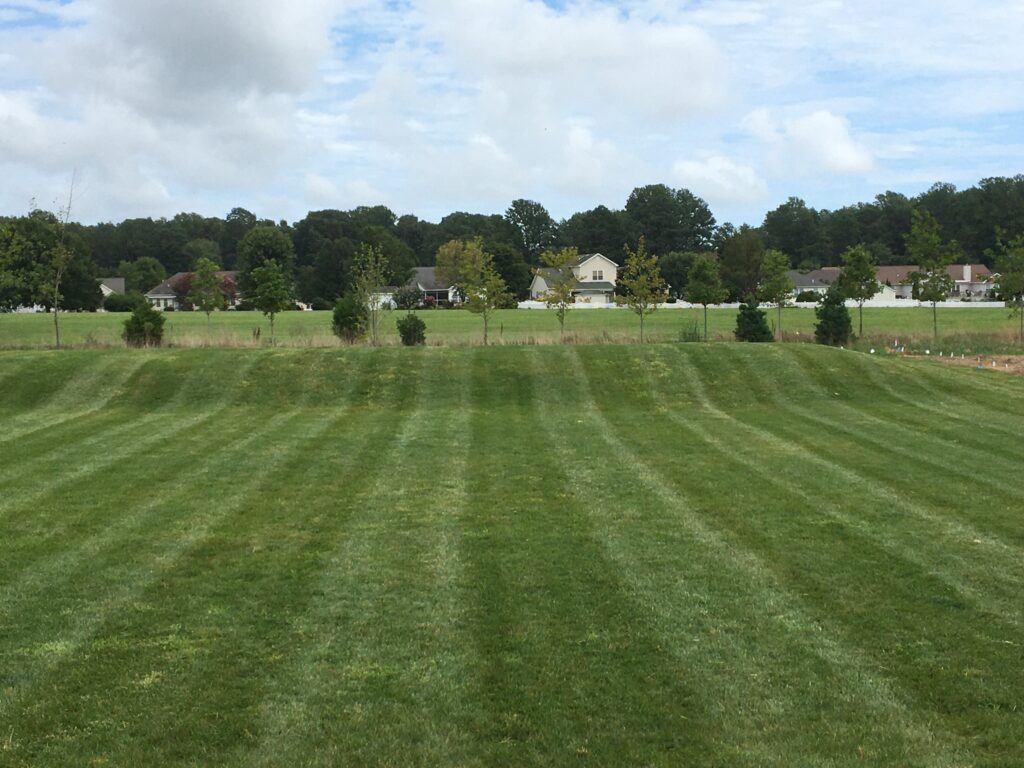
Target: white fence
x,y
887,304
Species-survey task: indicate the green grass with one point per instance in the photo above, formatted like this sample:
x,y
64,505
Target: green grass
x,y
693,555
965,329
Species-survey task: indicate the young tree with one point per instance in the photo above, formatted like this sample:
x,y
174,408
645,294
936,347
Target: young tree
x,y
751,323
776,285
561,280
349,318
834,326
1010,266
458,261
704,286
272,292
206,293
369,276
924,246
144,327
859,280
485,293
644,287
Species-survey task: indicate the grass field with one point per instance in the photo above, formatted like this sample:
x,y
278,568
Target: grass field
x,y
962,329
677,555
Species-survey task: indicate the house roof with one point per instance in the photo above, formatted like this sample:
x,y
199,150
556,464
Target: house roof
x,y
585,257
425,278
166,289
900,274
113,284
817,278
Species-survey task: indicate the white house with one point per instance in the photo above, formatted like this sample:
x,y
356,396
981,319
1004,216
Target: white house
x,y
596,276
424,280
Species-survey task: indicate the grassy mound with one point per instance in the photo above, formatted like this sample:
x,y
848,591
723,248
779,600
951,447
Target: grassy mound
x,y
660,555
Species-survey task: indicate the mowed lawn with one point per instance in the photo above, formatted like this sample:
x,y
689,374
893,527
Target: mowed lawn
x,y
460,328
671,555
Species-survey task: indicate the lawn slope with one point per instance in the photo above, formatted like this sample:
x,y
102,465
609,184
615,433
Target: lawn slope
x,y
666,555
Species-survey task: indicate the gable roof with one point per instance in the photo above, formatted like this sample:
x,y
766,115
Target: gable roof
x,y
425,279
113,284
816,278
166,289
900,274
585,257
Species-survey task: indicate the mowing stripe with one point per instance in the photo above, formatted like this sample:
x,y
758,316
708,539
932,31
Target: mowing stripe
x,y
814,635
921,552
395,557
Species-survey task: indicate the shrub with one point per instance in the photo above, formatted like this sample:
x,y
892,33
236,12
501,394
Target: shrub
x,y
349,321
407,297
691,333
144,327
752,324
834,325
245,306
123,302
320,305
413,330
807,297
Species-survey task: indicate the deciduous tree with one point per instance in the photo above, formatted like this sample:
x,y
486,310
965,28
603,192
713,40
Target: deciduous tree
x,y
369,277
704,286
1009,260
776,285
271,292
207,294
561,280
641,281
859,280
932,281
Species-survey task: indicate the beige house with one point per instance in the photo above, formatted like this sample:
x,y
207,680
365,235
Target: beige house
x,y
596,277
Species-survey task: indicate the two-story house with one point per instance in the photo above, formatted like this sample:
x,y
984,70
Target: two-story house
x,y
596,277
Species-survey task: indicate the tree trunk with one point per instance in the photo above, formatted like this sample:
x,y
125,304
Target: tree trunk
x,y
780,321
935,320
705,323
272,331
1020,311
485,329
862,318
641,328
56,325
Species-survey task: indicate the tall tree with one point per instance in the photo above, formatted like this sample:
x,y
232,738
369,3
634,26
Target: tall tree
x,y
561,280
704,286
932,281
200,248
262,244
671,219
537,230
776,285
1009,260
369,277
206,293
271,291
143,274
675,268
740,259
598,231
643,286
859,279
795,229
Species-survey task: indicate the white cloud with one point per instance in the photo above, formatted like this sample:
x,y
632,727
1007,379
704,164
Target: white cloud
x,y
819,141
721,180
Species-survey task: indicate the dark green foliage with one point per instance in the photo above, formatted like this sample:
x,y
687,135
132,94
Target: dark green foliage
x,y
834,326
407,297
740,260
123,302
671,219
350,318
261,245
144,327
412,330
807,297
752,323
675,270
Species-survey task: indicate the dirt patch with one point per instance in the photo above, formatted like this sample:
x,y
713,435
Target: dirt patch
x,y
1012,364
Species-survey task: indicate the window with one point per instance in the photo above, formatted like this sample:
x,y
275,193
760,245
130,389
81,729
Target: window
x,y
598,274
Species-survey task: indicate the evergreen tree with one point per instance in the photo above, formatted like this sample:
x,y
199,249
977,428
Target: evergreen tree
x,y
834,325
752,323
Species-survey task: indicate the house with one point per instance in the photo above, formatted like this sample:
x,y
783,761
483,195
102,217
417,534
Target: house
x,y
424,280
816,281
169,294
596,276
971,282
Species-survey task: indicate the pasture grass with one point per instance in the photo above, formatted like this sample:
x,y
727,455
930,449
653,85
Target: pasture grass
x,y
701,555
966,329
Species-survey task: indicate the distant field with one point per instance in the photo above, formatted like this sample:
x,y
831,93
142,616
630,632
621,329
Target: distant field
x,y
610,555
512,326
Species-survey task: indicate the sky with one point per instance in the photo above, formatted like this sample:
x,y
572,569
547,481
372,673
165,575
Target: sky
x,y
432,106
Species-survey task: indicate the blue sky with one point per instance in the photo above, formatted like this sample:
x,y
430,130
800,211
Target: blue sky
x,y
431,106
